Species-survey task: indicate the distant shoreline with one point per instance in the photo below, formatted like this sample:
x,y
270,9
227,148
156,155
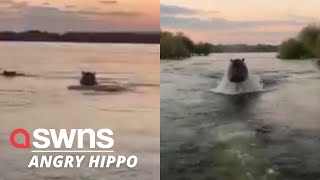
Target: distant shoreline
x,y
82,37
21,41
178,46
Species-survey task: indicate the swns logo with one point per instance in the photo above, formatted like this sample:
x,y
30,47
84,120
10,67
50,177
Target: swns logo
x,y
63,149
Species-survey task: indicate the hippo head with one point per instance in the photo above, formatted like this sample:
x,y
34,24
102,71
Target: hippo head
x,y
88,79
238,71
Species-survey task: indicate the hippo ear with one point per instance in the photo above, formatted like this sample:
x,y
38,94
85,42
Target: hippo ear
x,y
242,59
231,60
83,73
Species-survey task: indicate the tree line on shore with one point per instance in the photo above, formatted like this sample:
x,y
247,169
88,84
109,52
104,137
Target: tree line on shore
x,y
94,37
305,45
179,46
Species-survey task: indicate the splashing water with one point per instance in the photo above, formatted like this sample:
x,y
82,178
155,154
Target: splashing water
x,y
252,84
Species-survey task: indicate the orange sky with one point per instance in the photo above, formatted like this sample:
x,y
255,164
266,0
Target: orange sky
x,y
234,21
93,15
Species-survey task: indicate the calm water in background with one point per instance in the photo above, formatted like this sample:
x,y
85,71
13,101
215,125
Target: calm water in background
x,y
43,101
268,135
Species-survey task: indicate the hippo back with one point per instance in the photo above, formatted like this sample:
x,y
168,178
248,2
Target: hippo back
x,y
9,73
238,71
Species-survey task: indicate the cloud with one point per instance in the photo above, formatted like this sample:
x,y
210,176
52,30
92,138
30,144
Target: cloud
x,y
108,2
6,1
46,3
111,13
302,18
21,16
10,8
218,23
220,30
178,17
70,6
178,10
175,10
54,19
46,11
13,4
19,5
214,27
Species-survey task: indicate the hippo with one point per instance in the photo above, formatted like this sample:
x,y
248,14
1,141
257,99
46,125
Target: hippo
x,y
11,73
88,79
238,71
88,82
318,63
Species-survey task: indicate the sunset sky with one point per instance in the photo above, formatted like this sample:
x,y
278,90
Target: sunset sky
x,y
79,15
235,21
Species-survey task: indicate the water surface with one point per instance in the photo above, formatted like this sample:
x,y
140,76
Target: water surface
x,y
42,100
269,135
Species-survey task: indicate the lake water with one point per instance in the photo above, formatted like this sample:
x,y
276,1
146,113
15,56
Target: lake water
x,y
42,100
273,134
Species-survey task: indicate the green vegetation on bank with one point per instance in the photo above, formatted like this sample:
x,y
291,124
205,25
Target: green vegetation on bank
x,y
179,46
305,45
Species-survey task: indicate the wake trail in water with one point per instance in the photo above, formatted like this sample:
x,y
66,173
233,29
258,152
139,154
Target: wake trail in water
x,y
252,84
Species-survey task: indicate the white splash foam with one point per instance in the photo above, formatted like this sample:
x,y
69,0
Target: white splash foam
x,y
252,84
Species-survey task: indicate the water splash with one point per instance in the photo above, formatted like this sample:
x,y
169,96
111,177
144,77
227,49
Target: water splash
x,y
252,84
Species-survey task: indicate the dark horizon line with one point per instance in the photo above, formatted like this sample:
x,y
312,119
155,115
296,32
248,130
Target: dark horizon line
x,y
71,31
244,44
82,37
26,36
